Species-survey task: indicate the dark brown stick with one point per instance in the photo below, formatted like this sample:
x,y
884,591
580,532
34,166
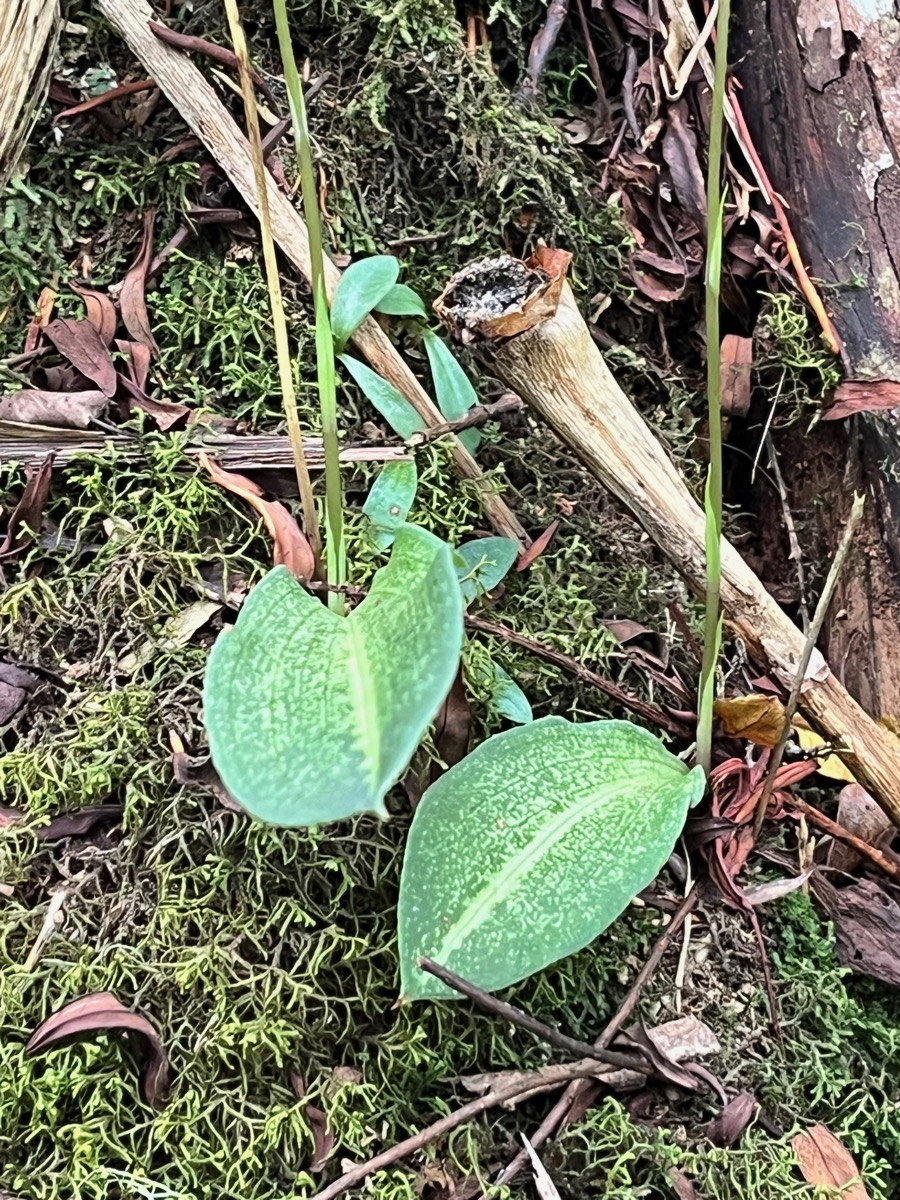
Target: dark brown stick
x,y
116,93
544,1080
542,46
650,712
219,54
475,416
516,1016
573,1092
592,61
872,853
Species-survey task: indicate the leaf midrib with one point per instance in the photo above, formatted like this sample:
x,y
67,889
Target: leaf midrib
x,y
364,697
517,868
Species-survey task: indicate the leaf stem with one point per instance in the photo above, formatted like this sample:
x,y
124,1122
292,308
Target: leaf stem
x,y
712,634
276,303
336,559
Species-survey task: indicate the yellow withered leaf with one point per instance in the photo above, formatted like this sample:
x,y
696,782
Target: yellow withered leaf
x,y
758,718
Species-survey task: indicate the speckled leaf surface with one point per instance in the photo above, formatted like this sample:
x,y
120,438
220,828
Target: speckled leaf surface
x,y
311,716
531,846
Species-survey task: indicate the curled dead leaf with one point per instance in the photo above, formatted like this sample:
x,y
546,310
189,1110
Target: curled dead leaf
x,y
27,514
132,297
290,545
736,365
537,547
82,345
100,311
101,1012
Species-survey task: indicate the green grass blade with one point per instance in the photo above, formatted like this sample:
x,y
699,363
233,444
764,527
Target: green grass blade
x,y
325,370
715,215
279,322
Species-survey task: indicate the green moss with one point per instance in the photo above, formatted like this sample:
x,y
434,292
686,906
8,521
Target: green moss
x,y
791,359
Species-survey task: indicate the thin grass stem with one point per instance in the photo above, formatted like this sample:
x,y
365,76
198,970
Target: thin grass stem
x,y
336,561
276,302
712,636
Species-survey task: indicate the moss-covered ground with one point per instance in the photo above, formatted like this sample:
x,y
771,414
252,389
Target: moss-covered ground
x,y
264,955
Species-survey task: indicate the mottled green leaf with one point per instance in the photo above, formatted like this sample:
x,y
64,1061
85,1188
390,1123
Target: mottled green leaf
x,y
532,845
509,699
484,563
359,289
401,301
389,501
453,391
390,402
312,716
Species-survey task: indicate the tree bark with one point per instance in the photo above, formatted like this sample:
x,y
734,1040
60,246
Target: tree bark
x,y
821,94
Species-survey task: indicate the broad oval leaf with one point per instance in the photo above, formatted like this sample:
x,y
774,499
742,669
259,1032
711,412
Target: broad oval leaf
x,y
483,563
453,390
532,845
390,401
388,503
359,289
401,301
311,716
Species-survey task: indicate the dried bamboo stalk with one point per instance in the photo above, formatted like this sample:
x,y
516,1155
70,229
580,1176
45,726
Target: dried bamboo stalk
x,y
197,103
553,363
28,33
29,445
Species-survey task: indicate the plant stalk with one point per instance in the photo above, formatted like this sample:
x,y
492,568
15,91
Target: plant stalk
x,y
712,632
335,555
276,303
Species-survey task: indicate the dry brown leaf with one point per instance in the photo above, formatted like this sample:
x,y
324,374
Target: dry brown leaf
x,y
727,1127
824,1162
866,927
759,719
290,545
684,1189
859,814
11,700
27,513
101,1012
40,320
100,311
77,824
862,395
63,410
537,547
82,345
453,725
132,299
735,371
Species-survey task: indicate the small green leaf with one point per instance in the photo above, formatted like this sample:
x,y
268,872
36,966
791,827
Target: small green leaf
x,y
531,846
359,290
388,503
311,716
401,301
390,402
485,562
509,699
452,389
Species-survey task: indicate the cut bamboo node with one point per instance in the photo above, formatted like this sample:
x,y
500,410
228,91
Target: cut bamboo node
x,y
522,321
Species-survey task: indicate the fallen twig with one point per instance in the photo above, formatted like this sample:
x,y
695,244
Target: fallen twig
x,y
650,712
872,853
815,628
208,119
545,353
576,1089
475,416
116,93
516,1016
219,54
